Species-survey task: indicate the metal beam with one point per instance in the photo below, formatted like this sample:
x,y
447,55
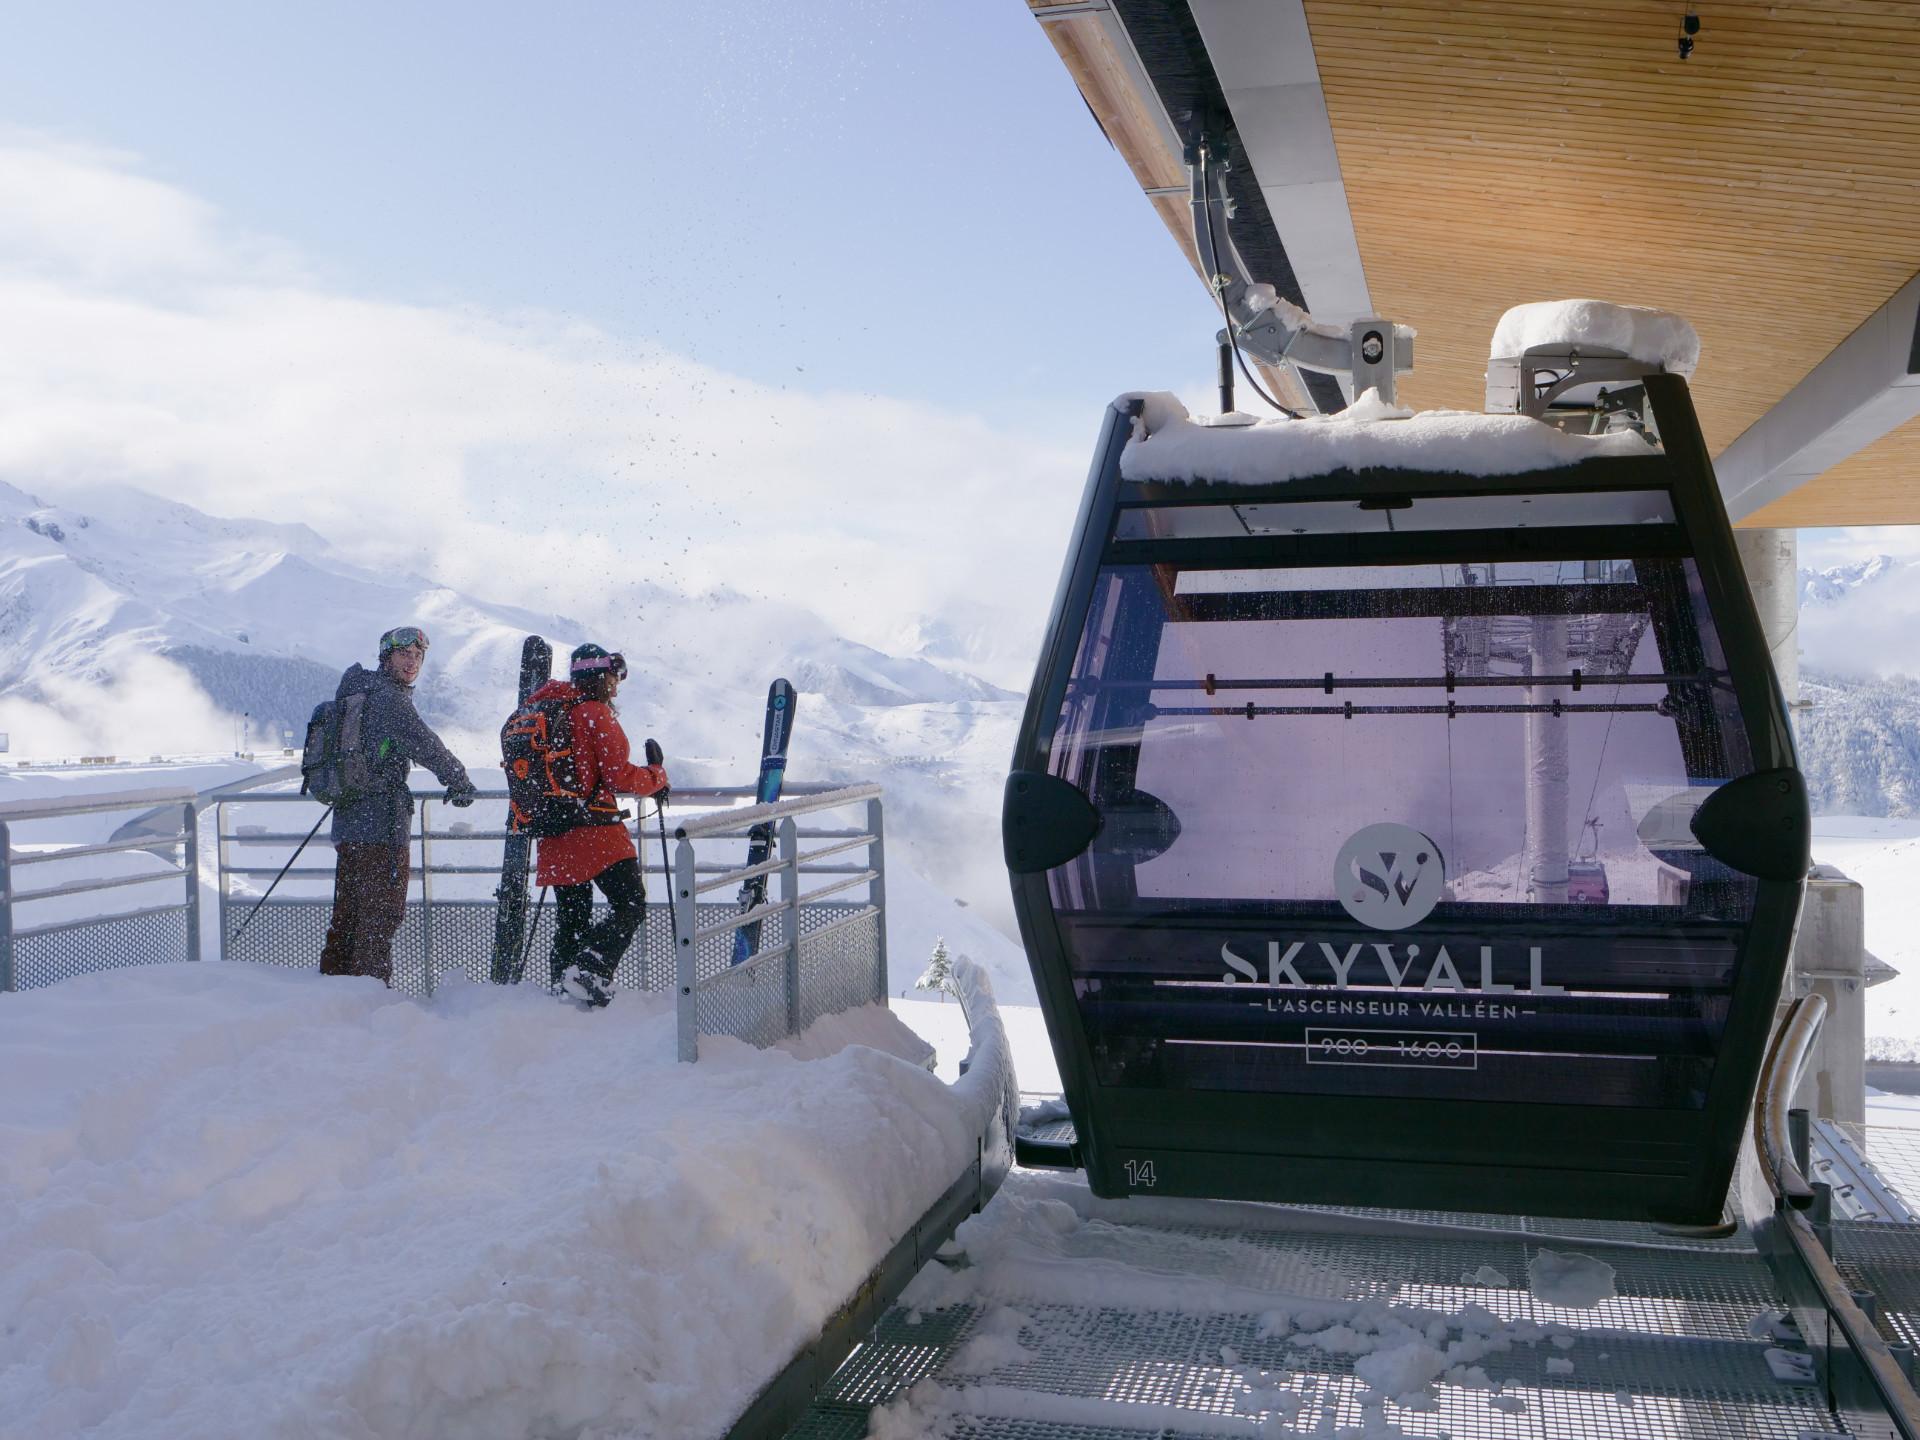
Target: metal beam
x,y
1262,54
1867,386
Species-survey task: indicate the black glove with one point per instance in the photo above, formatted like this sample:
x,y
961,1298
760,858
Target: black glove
x,y
655,755
462,795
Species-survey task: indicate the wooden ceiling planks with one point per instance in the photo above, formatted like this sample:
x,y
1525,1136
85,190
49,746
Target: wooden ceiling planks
x,y
1768,188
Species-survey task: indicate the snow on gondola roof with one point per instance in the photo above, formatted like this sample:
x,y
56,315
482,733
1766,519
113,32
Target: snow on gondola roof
x,y
1657,337
1169,445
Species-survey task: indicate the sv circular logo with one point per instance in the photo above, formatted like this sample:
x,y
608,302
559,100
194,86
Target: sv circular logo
x,y
1389,876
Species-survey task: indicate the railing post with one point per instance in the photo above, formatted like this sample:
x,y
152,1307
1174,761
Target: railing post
x,y
877,896
426,894
685,914
223,861
190,862
790,897
6,907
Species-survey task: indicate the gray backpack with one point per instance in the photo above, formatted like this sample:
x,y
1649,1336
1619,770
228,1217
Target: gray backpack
x,y
337,764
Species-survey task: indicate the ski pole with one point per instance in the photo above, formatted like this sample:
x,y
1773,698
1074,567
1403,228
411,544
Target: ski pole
x,y
520,964
666,867
657,757
281,876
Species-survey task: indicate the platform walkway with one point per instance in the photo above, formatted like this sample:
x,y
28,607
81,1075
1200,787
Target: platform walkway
x,y
1037,1349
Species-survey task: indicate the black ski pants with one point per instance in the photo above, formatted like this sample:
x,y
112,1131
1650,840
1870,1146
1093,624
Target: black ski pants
x,y
577,940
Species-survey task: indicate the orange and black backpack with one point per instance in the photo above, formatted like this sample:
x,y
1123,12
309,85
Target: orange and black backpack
x,y
545,794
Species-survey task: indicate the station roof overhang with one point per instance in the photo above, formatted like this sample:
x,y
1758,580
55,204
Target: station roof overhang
x,y
1434,164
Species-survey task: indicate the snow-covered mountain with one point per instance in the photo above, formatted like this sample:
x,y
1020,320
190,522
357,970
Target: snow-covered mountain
x,y
131,624
1859,743
1837,582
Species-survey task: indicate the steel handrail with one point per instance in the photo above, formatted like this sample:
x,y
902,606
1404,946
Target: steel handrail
x,y
710,826
81,852
681,793
859,842
1792,1047
16,810
847,884
1797,1242
87,887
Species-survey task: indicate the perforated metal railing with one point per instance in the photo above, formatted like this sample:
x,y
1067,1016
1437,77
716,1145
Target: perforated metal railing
x,y
773,969
815,953
72,902
455,857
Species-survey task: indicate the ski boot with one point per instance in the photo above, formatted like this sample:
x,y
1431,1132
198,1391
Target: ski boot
x,y
585,988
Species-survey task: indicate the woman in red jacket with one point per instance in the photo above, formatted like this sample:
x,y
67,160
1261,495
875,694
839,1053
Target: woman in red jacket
x,y
600,852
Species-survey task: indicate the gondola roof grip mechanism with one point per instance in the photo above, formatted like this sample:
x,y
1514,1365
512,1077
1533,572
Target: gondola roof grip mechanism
x,y
1260,323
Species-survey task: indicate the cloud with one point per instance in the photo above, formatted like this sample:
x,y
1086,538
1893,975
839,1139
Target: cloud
x,y
151,706
1867,632
525,456
1847,545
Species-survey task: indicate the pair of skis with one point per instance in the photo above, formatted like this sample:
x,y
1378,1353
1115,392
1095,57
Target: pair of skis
x,y
510,916
773,773
510,899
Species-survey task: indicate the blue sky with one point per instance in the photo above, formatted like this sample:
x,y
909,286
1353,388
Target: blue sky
x,y
904,198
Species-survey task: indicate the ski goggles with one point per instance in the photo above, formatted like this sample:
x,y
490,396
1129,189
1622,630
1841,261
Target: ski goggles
x,y
402,637
615,662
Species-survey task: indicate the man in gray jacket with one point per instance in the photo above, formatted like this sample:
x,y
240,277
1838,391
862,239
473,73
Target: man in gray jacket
x,y
370,832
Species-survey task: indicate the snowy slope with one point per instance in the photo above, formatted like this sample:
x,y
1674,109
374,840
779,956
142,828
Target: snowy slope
x,y
1859,744
1884,856
245,1201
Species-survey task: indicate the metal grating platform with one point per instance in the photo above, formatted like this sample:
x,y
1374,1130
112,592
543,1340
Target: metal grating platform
x,y
1883,1261
1082,1353
1874,1169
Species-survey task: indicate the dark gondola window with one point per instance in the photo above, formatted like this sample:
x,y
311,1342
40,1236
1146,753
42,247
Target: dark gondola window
x,y
1548,726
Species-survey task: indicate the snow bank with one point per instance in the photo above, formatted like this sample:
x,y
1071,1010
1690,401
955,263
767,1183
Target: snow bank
x,y
1169,446
1655,337
247,1201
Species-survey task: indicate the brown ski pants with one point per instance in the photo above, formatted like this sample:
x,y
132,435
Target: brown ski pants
x,y
369,902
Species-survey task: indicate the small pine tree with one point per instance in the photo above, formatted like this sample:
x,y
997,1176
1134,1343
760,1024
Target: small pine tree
x,y
938,976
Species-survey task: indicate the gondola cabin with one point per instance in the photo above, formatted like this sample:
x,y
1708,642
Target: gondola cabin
x,y
1295,823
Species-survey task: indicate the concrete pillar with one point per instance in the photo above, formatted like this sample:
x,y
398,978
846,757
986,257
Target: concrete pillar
x,y
1772,561
1547,768
1830,956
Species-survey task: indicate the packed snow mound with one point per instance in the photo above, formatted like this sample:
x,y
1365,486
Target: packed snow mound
x,y
1654,337
1169,446
246,1201
1576,1282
